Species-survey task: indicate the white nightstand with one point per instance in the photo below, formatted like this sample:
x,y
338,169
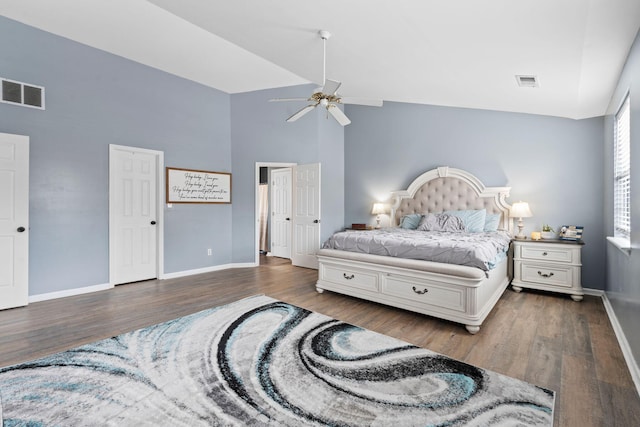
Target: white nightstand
x,y
549,265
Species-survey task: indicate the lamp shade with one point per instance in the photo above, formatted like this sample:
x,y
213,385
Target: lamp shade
x,y
520,210
378,209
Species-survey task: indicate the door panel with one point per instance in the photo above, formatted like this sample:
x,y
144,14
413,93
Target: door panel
x,y
306,218
14,220
281,213
133,210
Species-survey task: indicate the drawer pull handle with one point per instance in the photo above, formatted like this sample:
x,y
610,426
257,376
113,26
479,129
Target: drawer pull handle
x,y
545,274
424,291
348,277
544,254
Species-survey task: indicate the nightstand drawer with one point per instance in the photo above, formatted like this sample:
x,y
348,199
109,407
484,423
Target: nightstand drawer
x,y
550,274
546,253
351,277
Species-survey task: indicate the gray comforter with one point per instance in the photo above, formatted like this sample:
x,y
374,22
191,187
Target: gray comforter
x,y
481,250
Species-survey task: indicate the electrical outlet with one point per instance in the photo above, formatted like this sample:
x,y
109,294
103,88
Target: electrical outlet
x,y
209,252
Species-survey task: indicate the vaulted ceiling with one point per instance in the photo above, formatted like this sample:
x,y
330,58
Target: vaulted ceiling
x,y
463,53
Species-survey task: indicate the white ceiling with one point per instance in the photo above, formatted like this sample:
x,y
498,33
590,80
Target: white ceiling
x,y
462,53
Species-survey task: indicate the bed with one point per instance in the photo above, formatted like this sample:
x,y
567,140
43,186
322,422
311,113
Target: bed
x,y
464,294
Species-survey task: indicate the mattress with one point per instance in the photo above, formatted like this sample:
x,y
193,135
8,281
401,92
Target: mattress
x,y
481,250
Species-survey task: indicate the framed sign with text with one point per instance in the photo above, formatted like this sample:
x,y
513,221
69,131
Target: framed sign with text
x,y
196,186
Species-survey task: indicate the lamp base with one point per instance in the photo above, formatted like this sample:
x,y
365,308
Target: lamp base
x,y
520,235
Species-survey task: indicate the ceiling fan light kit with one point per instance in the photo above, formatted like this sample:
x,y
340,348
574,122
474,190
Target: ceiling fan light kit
x,y
327,96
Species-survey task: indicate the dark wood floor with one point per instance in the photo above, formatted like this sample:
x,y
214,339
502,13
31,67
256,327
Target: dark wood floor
x,y
545,339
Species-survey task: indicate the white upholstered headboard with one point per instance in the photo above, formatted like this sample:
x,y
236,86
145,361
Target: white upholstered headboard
x,y
446,188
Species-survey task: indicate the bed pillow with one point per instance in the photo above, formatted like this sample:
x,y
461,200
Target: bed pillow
x,y
473,219
410,222
492,222
441,222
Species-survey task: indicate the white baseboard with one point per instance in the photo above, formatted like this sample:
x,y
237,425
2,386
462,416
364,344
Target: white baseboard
x,y
96,288
206,270
244,265
69,292
593,292
622,340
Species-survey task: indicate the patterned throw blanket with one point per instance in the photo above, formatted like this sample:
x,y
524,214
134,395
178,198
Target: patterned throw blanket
x,y
481,250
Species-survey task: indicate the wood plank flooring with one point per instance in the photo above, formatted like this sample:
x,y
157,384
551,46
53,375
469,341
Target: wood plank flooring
x,y
545,339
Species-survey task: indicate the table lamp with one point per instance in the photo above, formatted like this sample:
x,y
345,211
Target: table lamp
x,y
520,210
378,209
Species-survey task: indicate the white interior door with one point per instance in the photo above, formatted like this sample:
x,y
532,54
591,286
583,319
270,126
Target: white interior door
x,y
306,215
133,215
281,212
14,220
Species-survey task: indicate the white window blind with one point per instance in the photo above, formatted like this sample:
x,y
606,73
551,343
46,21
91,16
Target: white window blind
x,y
622,172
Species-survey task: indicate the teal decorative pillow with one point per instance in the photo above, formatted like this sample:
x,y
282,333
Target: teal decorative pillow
x,y
492,222
410,222
473,219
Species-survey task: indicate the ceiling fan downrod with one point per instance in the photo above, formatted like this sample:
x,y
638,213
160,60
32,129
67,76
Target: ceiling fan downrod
x,y
324,35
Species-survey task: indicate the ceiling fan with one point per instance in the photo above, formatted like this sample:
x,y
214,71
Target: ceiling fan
x,y
327,96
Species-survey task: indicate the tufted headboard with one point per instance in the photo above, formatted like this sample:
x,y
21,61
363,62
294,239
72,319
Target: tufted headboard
x,y
446,188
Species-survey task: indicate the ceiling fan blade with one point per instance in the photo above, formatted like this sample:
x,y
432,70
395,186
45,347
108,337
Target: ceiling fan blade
x,y
338,114
361,101
330,87
288,99
301,113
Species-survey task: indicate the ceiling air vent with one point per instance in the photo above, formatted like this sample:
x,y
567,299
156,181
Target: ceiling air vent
x,y
527,81
24,94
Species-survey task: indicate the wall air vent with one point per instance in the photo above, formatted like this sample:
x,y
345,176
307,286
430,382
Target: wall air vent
x,y
527,81
24,94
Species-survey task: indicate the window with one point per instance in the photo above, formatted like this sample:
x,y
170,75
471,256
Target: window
x,y
622,172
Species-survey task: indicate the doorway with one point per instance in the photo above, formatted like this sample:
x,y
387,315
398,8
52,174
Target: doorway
x,y
136,183
291,219
263,206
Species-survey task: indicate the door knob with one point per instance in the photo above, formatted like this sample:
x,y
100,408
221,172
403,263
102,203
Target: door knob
x,y
21,229
153,223
288,219
316,221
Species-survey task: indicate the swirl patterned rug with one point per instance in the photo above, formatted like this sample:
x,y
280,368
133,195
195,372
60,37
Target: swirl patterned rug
x,y
260,361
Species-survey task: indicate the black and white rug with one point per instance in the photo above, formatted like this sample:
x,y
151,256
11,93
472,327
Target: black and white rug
x,y
260,361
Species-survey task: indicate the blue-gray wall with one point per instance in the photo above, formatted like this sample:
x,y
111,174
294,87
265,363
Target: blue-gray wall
x,y
554,164
623,269
94,99
261,134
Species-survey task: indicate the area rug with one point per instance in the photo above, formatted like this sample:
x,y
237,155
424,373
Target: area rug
x,y
257,362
